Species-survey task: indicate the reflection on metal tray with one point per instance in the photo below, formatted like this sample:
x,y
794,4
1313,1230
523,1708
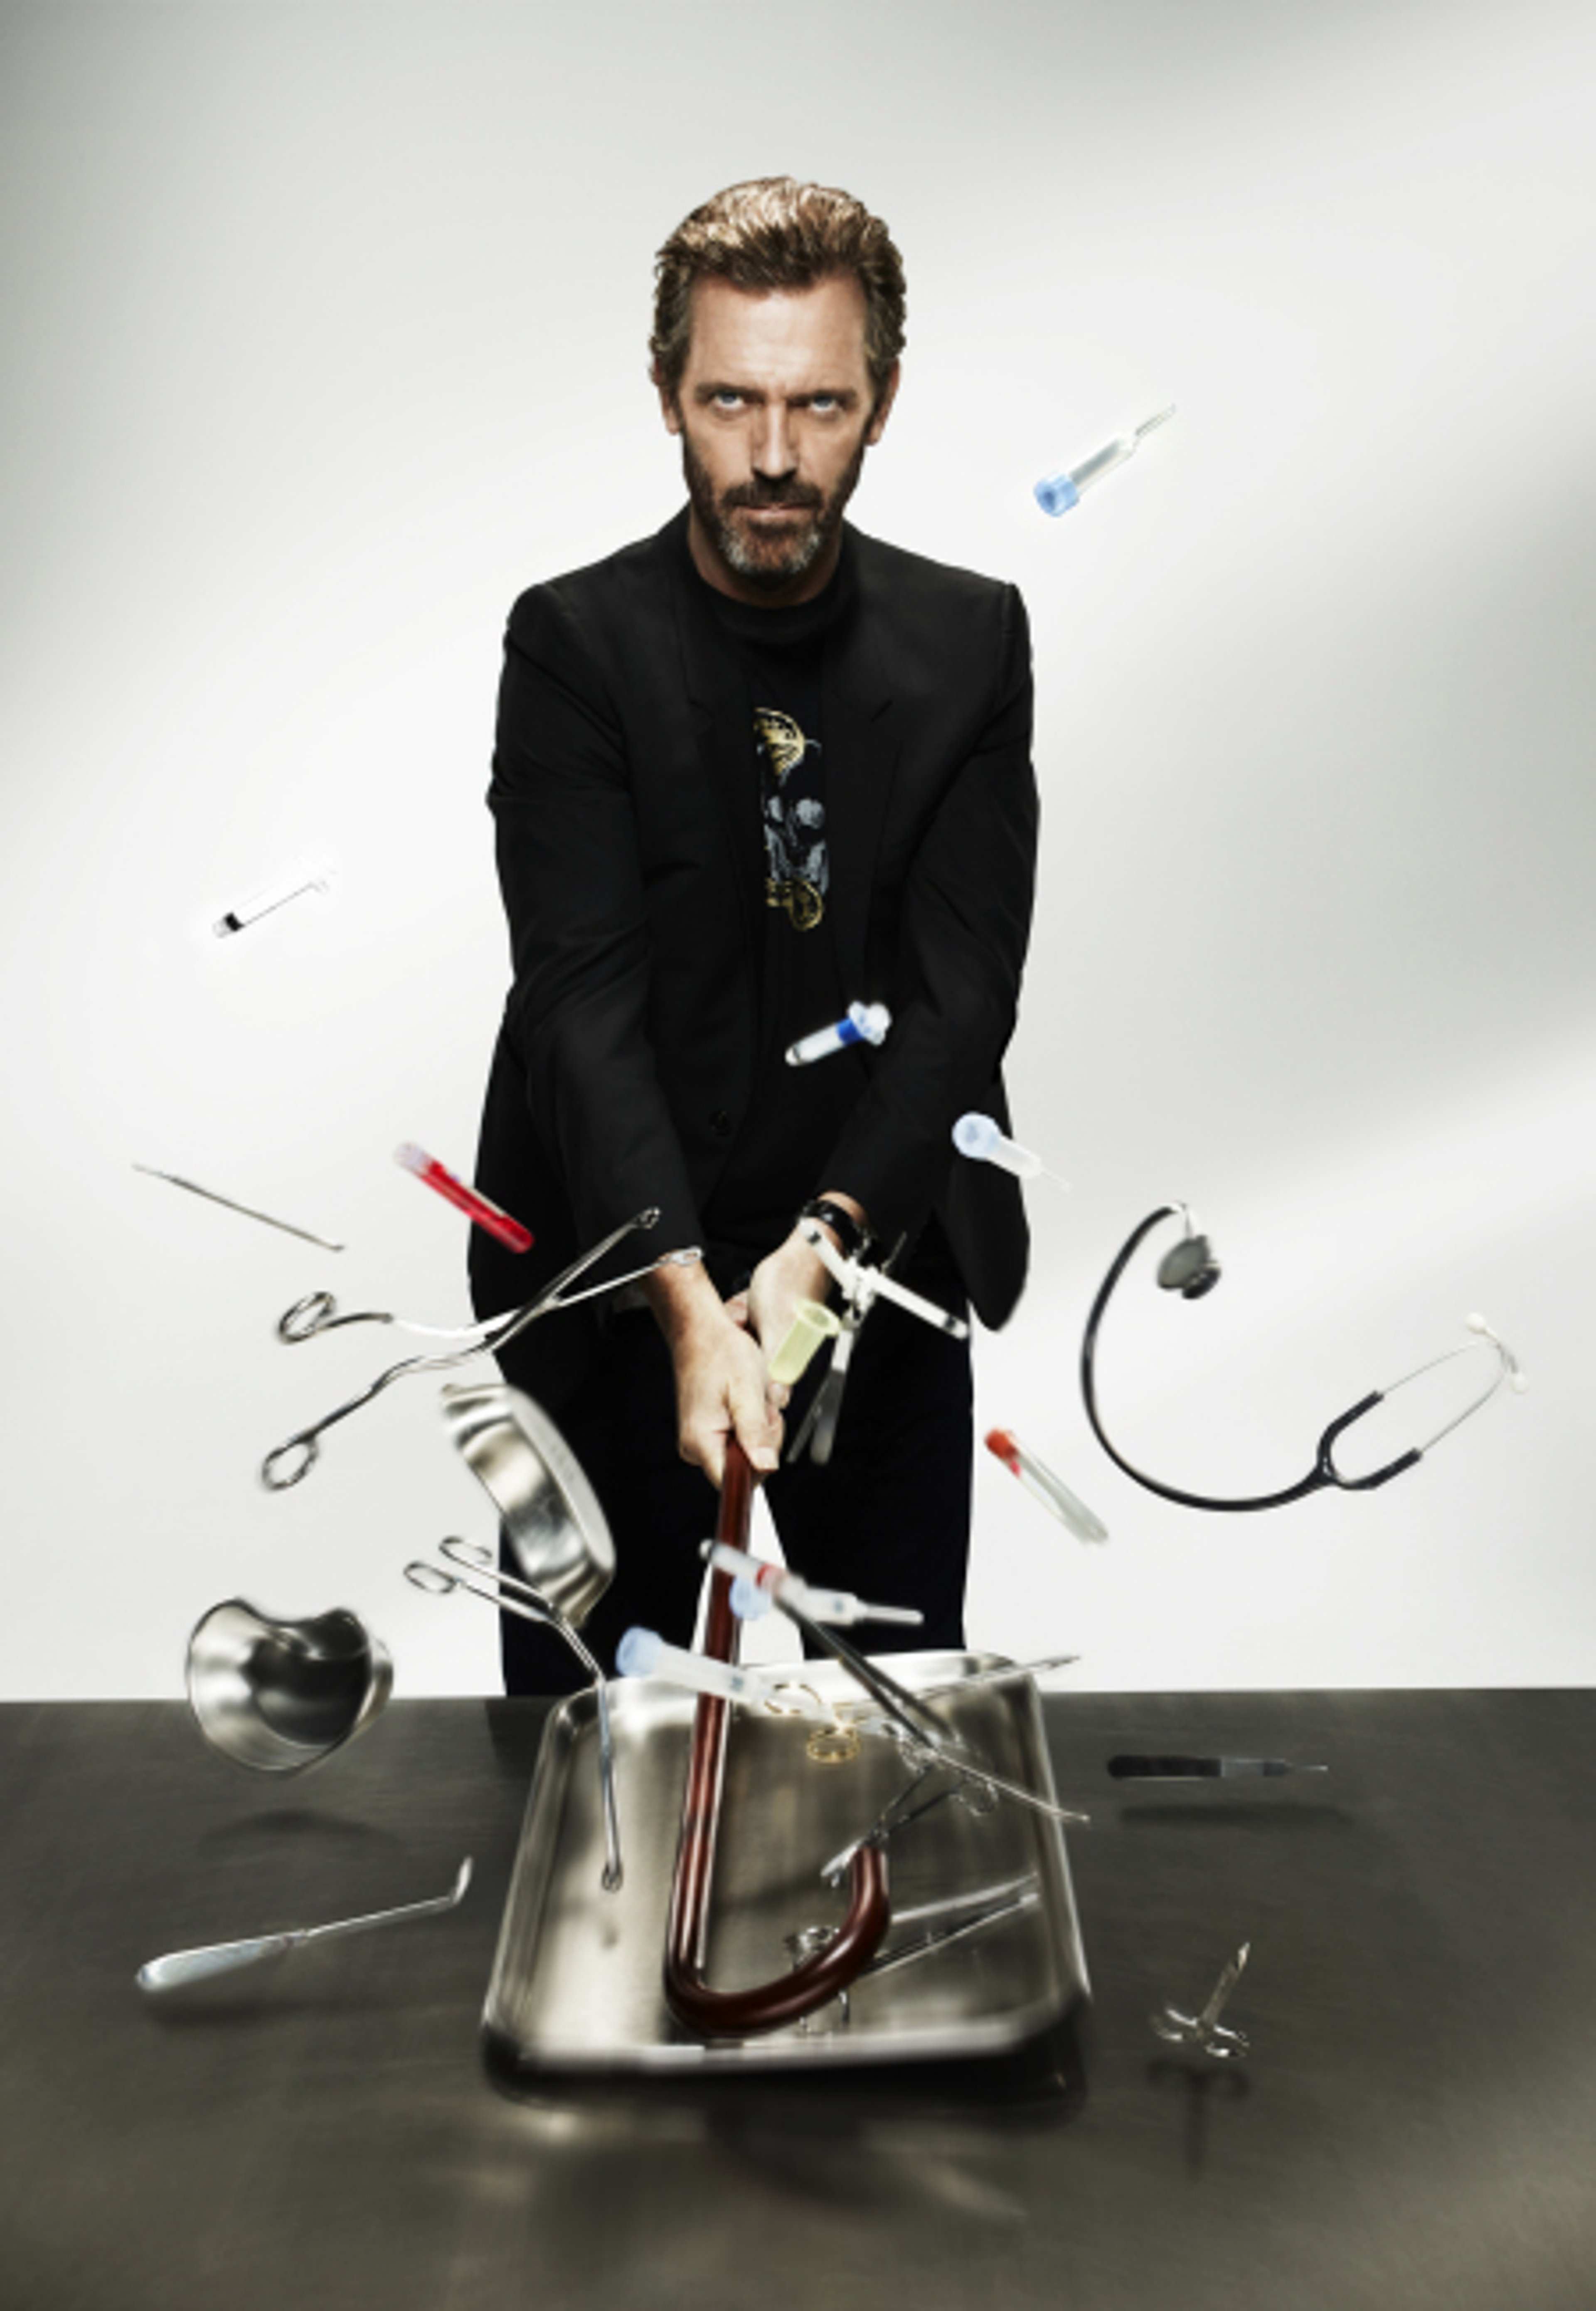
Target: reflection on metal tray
x,y
577,1979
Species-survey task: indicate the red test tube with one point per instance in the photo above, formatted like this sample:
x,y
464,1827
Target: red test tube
x,y
1039,1481
455,1192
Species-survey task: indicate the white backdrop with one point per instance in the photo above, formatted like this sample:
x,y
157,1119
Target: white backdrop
x,y
326,335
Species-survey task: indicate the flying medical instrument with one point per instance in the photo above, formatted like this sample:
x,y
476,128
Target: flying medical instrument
x,y
1056,493
1191,1269
298,1454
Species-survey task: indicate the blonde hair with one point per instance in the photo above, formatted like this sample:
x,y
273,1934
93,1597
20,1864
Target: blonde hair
x,y
774,234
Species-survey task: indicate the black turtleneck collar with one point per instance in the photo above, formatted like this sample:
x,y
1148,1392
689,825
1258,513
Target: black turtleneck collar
x,y
791,626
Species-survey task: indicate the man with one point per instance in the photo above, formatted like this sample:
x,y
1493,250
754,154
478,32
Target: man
x,y
748,770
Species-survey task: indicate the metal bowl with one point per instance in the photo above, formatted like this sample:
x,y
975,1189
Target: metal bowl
x,y
280,1696
556,1528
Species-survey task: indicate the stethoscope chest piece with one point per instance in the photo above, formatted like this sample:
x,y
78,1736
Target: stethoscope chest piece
x,y
1190,1268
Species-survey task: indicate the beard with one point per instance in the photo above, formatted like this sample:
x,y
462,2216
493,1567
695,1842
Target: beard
x,y
770,559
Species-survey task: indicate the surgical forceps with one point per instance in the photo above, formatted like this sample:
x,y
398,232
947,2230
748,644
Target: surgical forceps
x,y
971,1782
907,1806
478,1574
861,1287
975,1913
297,1455
920,1733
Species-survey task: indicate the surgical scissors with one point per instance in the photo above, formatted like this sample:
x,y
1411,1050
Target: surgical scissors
x,y
307,1317
317,1312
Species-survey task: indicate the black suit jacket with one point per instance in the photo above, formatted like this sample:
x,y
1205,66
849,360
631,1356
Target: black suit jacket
x,y
631,856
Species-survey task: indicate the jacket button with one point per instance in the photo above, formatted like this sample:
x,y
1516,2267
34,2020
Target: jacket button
x,y
720,1124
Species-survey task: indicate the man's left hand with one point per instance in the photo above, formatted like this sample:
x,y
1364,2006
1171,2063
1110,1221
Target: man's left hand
x,y
794,1271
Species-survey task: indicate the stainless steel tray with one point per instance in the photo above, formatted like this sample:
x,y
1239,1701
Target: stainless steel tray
x,y
577,1979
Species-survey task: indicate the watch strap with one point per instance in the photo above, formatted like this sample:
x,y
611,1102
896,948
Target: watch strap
x,y
854,1239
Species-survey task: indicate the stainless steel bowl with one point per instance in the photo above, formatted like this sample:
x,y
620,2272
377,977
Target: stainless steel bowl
x,y
551,1512
280,1696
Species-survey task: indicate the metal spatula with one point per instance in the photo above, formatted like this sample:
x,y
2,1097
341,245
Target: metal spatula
x,y
178,1966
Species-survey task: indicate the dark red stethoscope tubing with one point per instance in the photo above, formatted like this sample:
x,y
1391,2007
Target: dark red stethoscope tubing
x,y
769,2006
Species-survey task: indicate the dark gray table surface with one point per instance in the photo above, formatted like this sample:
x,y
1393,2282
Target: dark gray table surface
x,y
1416,2124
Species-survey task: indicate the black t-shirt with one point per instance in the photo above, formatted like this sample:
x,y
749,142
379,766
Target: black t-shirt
x,y
795,1114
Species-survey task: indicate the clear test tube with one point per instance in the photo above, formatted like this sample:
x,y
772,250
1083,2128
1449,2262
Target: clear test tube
x,y
979,1137
643,1652
863,1022
1052,1491
839,1608
1056,493
758,1582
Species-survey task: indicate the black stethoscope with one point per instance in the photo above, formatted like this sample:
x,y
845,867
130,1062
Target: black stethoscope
x,y
1191,1269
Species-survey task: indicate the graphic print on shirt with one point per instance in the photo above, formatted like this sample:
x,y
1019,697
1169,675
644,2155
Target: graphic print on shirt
x,y
798,876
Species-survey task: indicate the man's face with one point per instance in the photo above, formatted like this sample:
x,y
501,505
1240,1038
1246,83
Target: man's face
x,y
775,410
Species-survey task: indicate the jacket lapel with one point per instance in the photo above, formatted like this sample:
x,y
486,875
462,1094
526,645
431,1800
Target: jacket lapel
x,y
861,740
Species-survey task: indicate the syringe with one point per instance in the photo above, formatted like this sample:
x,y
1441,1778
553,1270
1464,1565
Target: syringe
x,y
979,1137
862,1023
1057,492
759,1584
1037,1477
643,1652
267,902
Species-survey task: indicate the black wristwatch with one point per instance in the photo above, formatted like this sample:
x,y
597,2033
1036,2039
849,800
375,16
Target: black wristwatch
x,y
853,1237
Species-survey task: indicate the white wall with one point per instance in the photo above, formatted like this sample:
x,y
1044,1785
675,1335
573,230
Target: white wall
x,y
324,335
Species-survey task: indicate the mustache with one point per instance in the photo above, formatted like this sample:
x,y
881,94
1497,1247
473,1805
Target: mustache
x,y
775,493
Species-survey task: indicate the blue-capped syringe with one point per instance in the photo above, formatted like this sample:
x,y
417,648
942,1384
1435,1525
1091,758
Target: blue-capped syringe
x,y
862,1023
1057,492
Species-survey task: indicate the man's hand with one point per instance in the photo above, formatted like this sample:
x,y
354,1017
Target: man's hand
x,y
721,1387
794,1271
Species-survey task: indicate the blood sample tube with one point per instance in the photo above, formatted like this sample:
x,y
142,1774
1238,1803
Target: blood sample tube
x,y
455,1192
1037,1477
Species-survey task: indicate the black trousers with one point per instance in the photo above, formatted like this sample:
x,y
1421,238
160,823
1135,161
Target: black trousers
x,y
888,1516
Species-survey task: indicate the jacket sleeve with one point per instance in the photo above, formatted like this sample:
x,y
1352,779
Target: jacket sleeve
x,y
962,928
569,868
